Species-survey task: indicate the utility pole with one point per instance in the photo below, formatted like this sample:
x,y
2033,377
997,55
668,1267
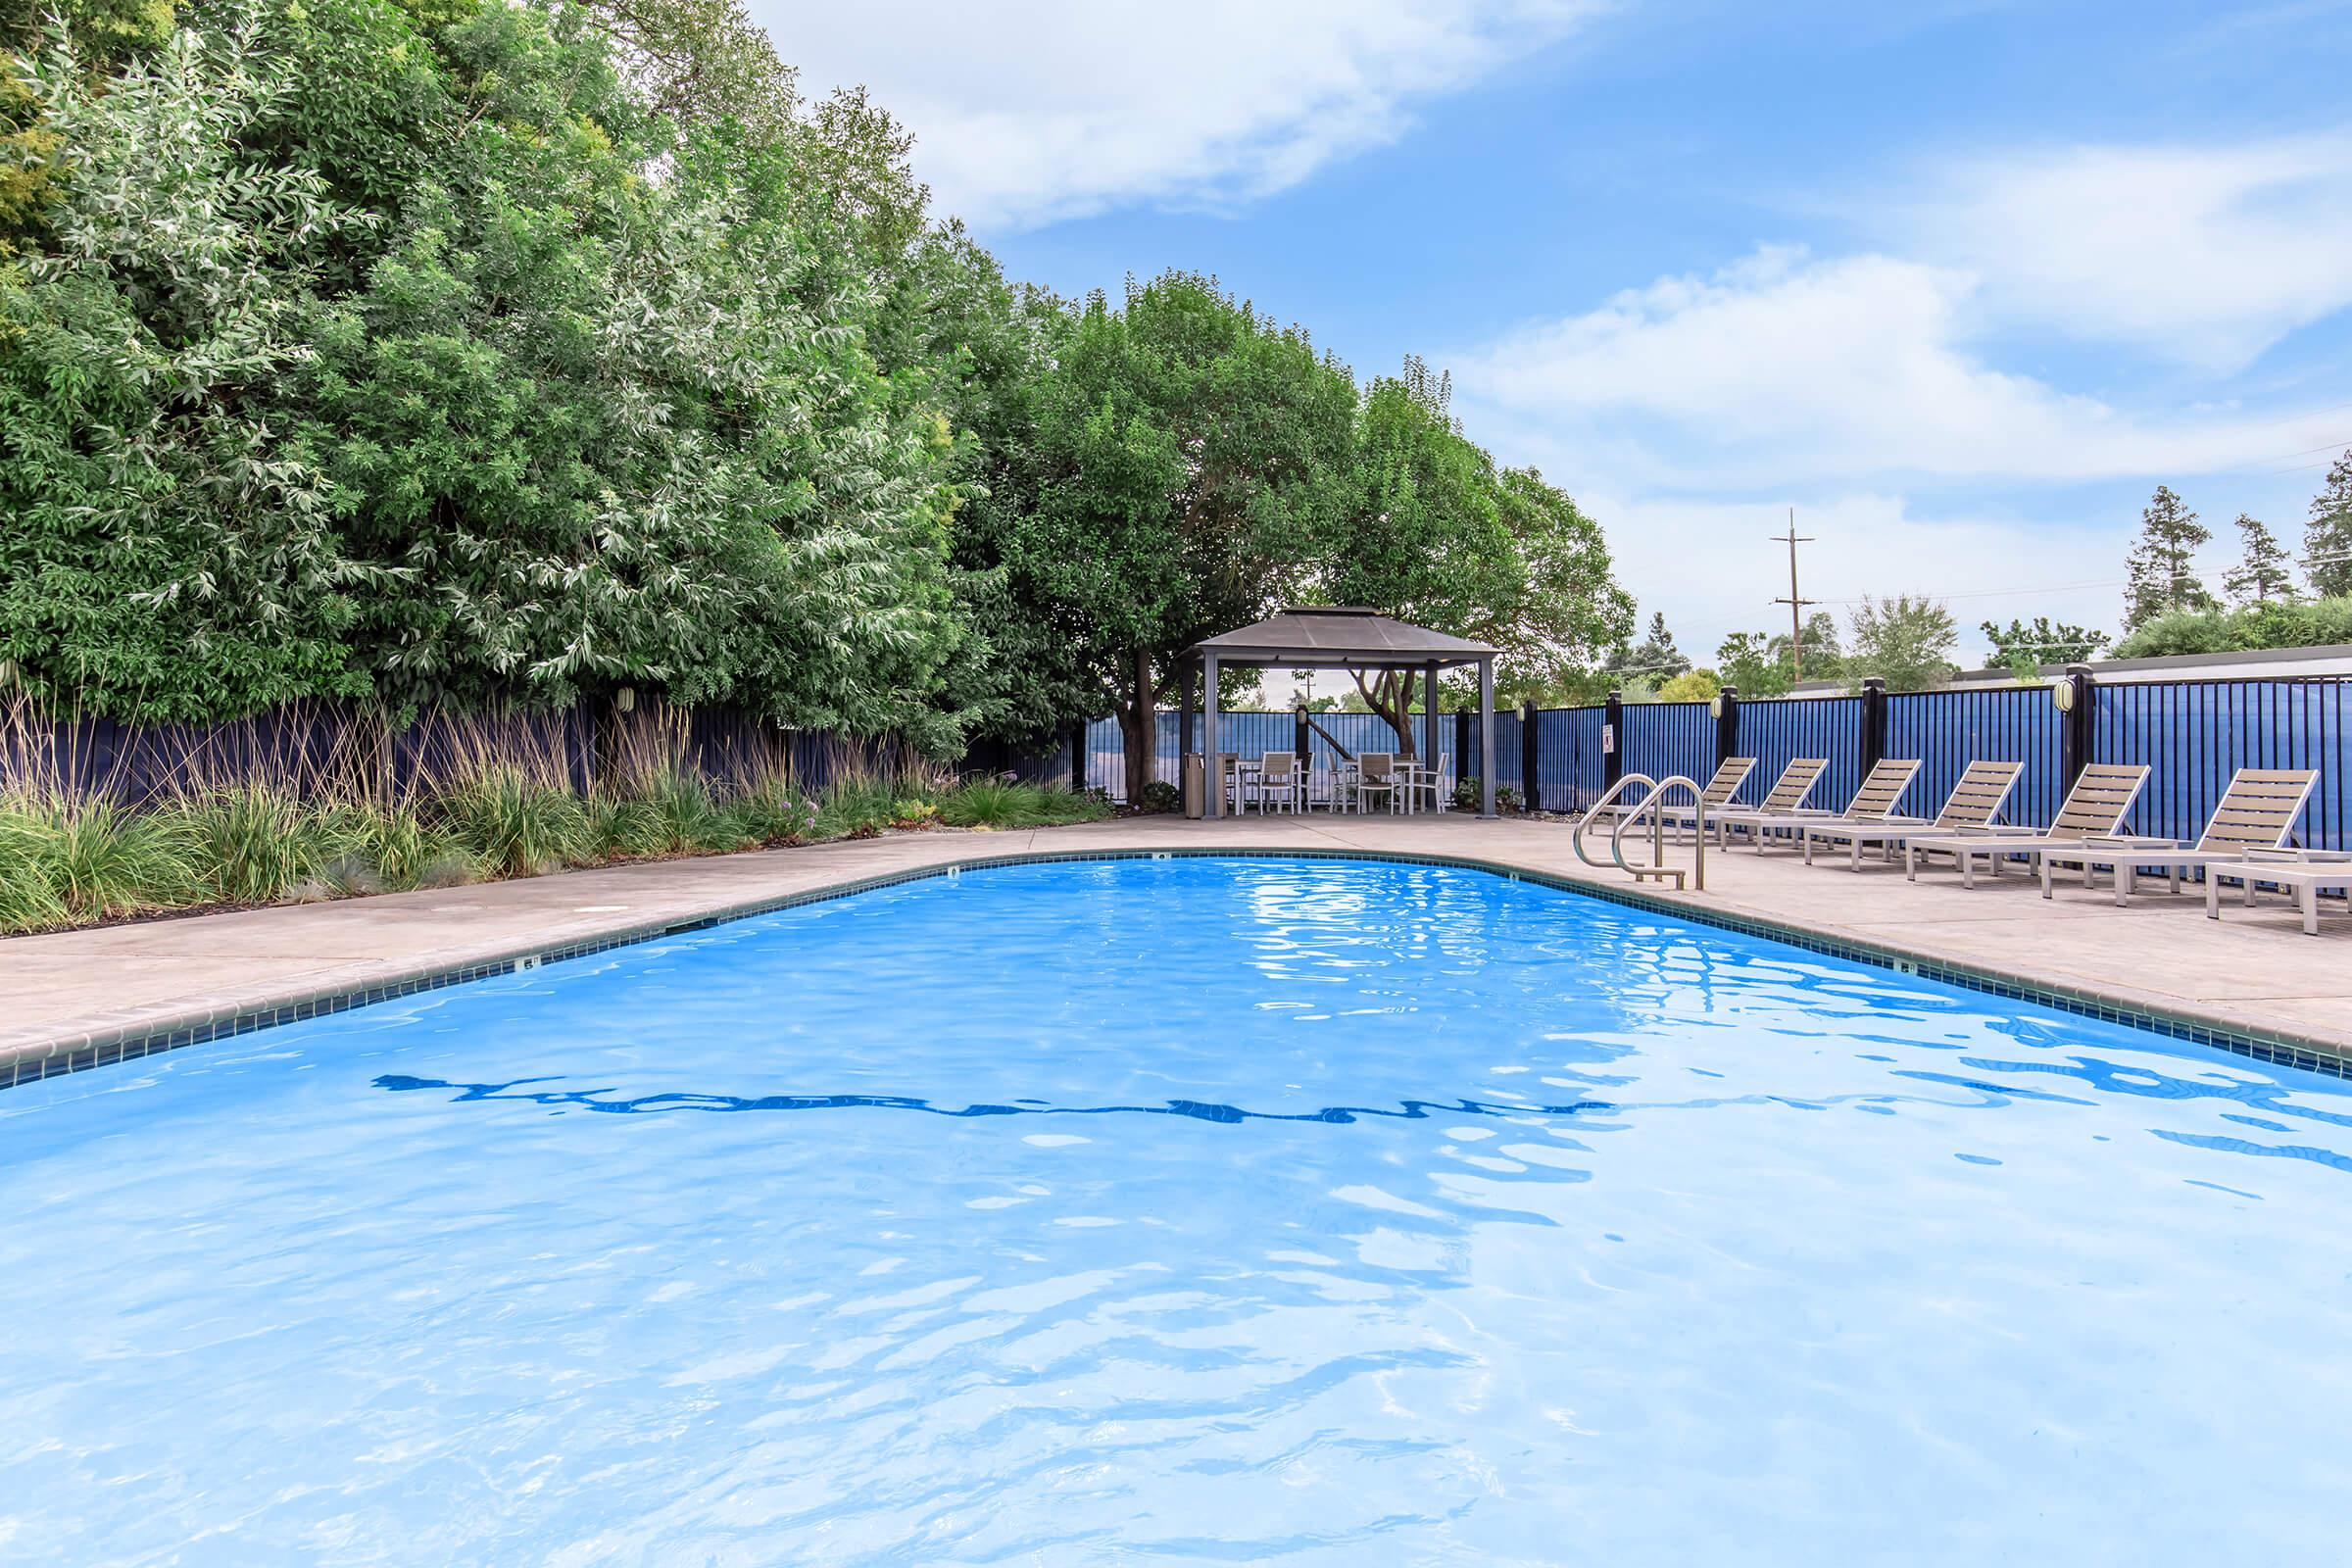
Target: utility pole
x,y
1797,606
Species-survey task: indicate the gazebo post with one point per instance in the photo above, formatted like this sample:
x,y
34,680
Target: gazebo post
x,y
1212,774
1184,717
1429,715
1485,738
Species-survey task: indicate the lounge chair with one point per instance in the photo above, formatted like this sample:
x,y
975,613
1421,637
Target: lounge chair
x,y
1787,797
1715,794
2306,873
1874,802
2258,812
1976,800
2096,808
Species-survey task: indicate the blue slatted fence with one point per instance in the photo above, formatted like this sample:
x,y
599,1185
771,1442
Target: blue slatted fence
x,y
2194,734
1776,733
1663,739
1948,730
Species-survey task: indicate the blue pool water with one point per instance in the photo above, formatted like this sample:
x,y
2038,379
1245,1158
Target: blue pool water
x,y
1190,1211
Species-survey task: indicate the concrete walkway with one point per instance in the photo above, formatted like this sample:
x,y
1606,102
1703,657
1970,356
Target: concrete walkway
x,y
2255,972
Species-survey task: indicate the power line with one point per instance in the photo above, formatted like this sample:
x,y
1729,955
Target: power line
x,y
2073,587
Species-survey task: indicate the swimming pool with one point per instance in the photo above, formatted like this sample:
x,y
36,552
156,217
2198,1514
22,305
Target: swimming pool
x,y
1325,1212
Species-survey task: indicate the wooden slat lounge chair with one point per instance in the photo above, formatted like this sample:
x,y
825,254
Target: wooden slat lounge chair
x,y
2304,873
1874,802
1716,793
2096,808
2258,812
1976,800
1787,796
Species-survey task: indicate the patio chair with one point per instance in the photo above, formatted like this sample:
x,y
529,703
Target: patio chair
x,y
1787,797
1437,777
1873,802
1976,800
2096,808
1376,774
2306,873
2256,812
1277,783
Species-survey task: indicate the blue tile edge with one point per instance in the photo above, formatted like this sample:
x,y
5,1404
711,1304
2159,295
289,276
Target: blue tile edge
x,y
2284,1050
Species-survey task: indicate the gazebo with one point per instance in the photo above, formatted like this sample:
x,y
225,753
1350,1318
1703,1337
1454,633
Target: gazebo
x,y
1336,637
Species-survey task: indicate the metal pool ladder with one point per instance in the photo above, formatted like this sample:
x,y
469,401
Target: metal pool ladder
x,y
1651,805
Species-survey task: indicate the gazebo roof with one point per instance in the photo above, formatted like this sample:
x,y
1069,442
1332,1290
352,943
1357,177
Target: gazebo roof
x,y
1331,636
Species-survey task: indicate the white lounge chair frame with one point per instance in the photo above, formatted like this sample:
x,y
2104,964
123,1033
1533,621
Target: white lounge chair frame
x,y
1977,797
2306,873
2258,812
2103,797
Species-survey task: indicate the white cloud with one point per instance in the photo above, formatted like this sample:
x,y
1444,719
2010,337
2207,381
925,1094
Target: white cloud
x,y
1782,370
1689,413
1710,565
2206,254
1048,109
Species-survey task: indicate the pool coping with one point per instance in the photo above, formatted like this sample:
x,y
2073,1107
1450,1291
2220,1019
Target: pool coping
x,y
104,1048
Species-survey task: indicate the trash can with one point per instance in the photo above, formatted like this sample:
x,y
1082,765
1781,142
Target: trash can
x,y
1196,797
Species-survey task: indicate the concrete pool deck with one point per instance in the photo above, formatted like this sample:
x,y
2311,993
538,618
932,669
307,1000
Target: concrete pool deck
x,y
2254,974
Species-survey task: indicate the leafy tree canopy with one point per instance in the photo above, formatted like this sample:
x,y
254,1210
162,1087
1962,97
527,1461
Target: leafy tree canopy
x,y
1905,641
435,352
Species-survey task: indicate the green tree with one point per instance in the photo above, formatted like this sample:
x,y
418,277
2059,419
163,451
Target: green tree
x,y
1690,686
2280,623
168,554
1437,535
1655,658
2264,574
1905,641
1746,659
1423,537
2327,536
1192,454
1567,610
2160,575
1823,648
2026,646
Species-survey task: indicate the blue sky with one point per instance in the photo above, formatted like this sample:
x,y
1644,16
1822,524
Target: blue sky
x,y
1961,282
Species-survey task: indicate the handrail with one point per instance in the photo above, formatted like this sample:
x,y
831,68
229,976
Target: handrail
x,y
1576,839
1657,835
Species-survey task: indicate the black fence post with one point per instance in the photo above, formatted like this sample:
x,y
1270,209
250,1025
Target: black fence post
x,y
2076,730
1612,741
1530,758
1078,756
1299,741
1461,744
1874,724
1727,723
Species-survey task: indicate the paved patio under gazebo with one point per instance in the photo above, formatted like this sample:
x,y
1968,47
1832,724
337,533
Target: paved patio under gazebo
x,y
1334,637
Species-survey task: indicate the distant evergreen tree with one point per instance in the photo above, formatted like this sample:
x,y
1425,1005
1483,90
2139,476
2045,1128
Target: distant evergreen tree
x,y
2264,574
1657,659
2161,580
2327,537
